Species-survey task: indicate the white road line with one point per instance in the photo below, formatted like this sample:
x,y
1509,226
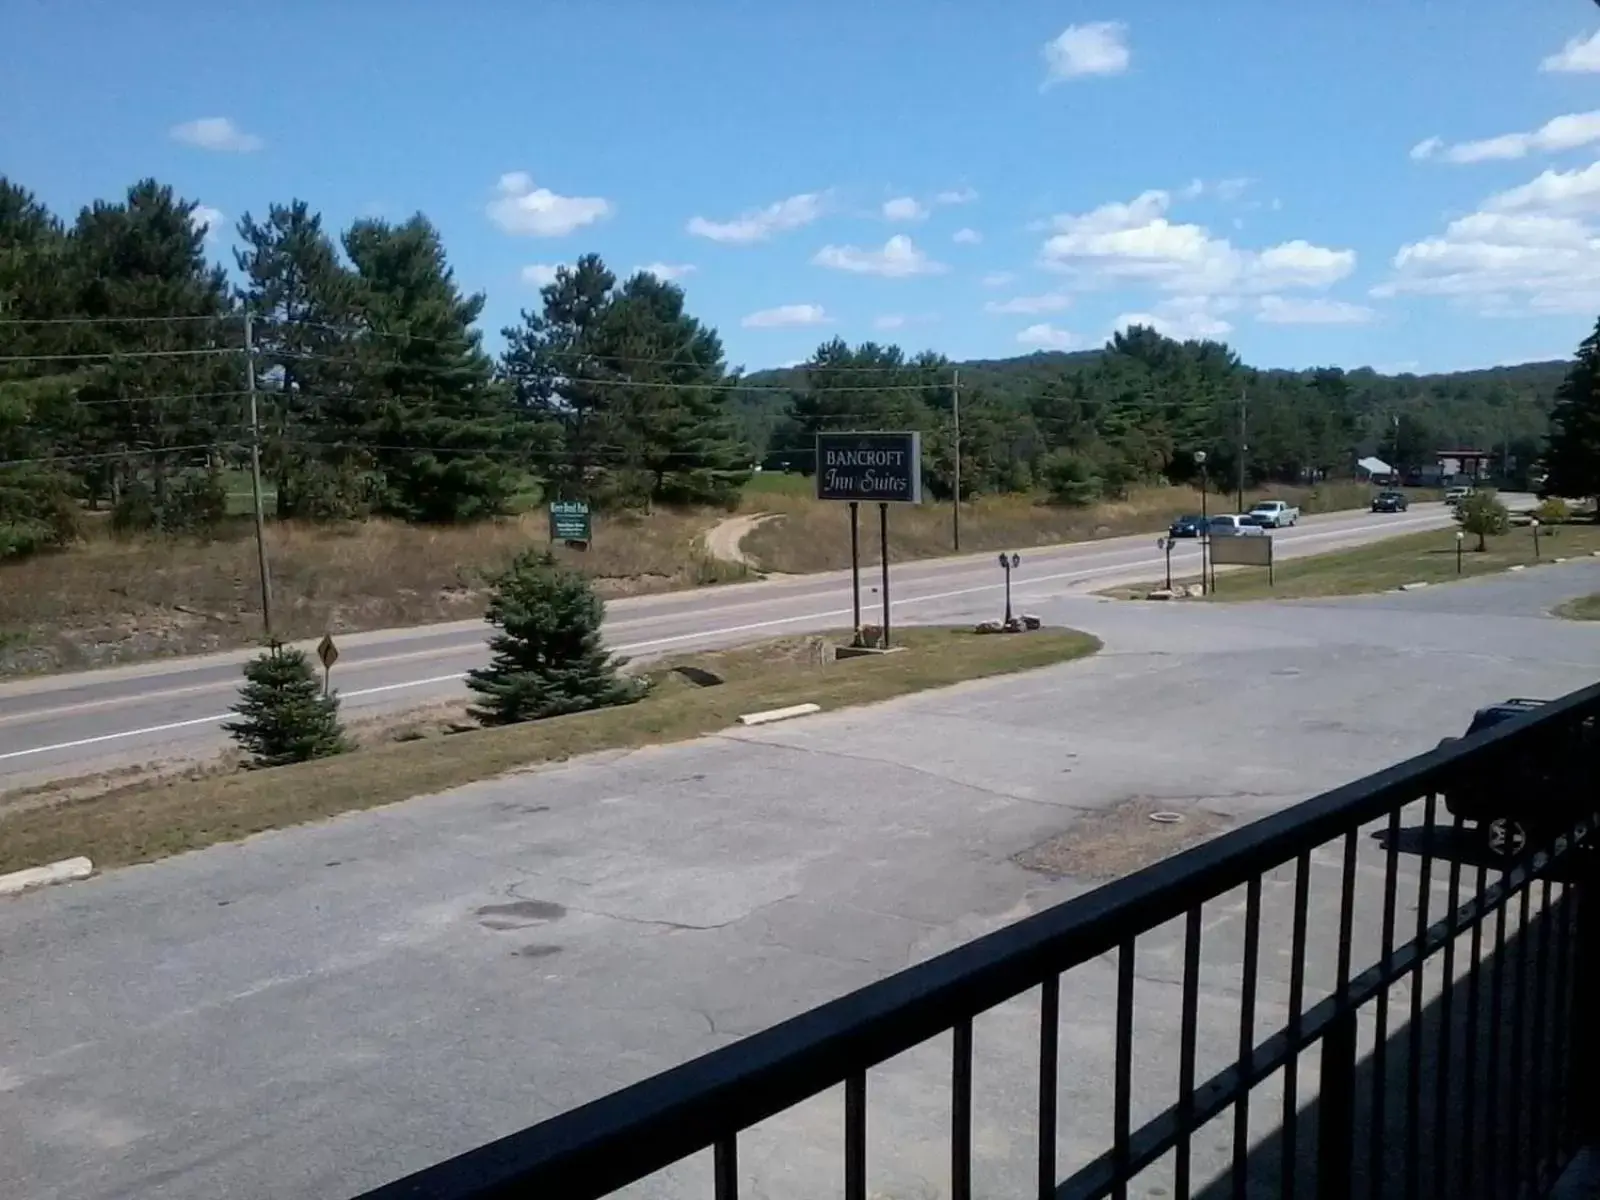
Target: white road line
x,y
651,643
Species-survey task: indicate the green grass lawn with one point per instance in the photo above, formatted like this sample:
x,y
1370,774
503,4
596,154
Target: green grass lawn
x,y
1382,566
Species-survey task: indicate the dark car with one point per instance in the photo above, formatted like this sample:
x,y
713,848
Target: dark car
x,y
1187,527
1533,798
1390,502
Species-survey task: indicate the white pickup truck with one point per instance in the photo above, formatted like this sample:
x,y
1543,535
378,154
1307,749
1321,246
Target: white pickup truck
x,y
1275,514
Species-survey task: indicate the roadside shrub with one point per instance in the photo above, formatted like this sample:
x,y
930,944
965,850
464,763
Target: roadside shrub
x,y
547,656
1552,511
284,717
193,502
1482,514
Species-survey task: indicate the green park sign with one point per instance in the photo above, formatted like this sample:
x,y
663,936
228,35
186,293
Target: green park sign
x,y
570,521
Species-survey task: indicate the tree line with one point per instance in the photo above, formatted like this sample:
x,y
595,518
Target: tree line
x,y
124,386
125,381
1088,425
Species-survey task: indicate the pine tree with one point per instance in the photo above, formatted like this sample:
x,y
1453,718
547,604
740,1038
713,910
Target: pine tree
x,y
284,716
1572,455
438,424
547,657
302,298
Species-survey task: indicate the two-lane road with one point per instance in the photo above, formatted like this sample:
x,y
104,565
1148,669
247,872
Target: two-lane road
x,y
73,724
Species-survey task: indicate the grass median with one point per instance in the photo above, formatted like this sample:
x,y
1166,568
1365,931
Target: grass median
x,y
148,820
1385,565
1584,608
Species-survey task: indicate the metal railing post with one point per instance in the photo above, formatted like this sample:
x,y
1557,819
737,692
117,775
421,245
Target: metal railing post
x,y
1336,1135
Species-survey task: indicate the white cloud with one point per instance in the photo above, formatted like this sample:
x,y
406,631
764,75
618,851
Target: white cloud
x,y
898,258
1575,191
1135,241
1427,148
1185,318
1045,336
207,220
540,274
1291,310
216,133
1044,303
996,279
785,315
904,208
1079,51
1580,54
1566,132
521,208
966,237
1222,189
667,272
757,225
960,195
1531,248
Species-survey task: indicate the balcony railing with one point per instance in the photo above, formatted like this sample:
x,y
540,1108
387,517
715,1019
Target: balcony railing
x,y
1438,1032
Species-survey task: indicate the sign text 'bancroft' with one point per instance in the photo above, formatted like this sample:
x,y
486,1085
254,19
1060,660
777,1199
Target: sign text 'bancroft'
x,y
870,467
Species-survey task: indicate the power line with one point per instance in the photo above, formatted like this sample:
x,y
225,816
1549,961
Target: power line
x,y
556,352
32,321
109,454
118,354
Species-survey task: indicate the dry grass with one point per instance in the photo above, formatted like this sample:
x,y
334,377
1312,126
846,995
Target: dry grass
x,y
815,536
1584,608
1382,566
136,822
113,600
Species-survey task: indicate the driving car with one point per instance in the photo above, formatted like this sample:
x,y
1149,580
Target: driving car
x,y
1189,526
1275,514
1532,800
1388,502
1455,495
1236,525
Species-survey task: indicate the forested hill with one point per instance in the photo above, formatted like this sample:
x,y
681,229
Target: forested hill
x,y
1482,408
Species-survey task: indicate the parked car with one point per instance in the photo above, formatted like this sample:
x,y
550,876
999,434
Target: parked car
x,y
1236,525
1187,527
1455,495
1389,502
1275,514
1533,800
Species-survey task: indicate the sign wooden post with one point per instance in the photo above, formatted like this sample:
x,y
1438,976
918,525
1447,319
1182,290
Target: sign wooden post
x,y
328,653
869,468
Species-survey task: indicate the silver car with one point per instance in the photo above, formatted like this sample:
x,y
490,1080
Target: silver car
x,y
1235,525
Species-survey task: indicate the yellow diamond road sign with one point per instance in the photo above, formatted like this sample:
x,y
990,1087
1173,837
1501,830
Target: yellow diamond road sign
x,y
327,652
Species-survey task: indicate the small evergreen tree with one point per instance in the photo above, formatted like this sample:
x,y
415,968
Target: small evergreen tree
x,y
284,717
547,656
1483,514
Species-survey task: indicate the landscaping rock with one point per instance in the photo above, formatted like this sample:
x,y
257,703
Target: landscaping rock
x,y
990,627
1159,594
1196,592
1029,621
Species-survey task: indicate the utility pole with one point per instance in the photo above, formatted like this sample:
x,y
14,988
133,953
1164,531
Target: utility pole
x,y
255,476
1244,447
955,509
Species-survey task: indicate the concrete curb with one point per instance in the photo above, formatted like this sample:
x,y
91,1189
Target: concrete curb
x,y
1412,587
779,714
64,871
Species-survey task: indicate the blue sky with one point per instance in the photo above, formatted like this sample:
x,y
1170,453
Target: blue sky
x,y
1411,185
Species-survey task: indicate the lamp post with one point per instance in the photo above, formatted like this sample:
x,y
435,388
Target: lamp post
x,y
1008,563
1460,537
1166,544
1205,521
1535,523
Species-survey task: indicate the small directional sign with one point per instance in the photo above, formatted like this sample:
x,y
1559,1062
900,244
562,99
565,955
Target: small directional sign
x,y
327,652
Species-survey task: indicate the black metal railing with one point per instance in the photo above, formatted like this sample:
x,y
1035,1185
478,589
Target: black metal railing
x,y
1453,1051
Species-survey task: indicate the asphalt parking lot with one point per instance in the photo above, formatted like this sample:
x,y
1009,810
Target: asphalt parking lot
x,y
321,1009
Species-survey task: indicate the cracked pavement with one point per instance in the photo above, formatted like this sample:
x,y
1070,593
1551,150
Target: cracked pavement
x,y
319,1010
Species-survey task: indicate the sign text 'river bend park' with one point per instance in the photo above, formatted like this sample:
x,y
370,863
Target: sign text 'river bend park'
x,y
871,468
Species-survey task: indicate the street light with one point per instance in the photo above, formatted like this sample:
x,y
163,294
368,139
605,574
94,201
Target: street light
x,y
1205,523
1460,537
1535,523
1166,544
1008,563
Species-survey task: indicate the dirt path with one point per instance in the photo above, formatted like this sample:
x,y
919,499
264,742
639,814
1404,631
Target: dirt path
x,y
723,540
